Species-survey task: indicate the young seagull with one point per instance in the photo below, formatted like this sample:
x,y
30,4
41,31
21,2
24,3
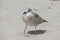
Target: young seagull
x,y
32,19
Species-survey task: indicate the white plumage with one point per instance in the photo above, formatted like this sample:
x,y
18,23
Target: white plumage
x,y
32,19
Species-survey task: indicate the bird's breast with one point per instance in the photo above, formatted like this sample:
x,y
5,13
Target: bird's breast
x,y
27,17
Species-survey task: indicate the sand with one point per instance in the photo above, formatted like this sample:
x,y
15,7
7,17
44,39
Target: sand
x,y
12,25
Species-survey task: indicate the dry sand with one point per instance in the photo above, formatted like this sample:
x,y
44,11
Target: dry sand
x,y
12,25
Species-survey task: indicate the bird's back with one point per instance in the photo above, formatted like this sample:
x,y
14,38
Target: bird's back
x,y
37,18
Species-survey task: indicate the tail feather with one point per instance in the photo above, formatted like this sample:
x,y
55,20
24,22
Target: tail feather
x,y
45,21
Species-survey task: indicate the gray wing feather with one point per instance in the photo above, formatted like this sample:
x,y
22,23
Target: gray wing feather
x,y
37,18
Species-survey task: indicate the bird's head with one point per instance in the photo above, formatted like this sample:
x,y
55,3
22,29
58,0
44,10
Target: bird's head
x,y
24,13
29,10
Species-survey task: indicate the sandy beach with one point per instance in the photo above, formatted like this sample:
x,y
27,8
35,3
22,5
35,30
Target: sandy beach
x,y
12,25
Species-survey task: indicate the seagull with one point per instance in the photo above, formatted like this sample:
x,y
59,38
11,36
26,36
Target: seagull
x,y
32,19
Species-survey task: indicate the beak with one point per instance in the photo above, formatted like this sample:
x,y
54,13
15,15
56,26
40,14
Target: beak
x,y
24,12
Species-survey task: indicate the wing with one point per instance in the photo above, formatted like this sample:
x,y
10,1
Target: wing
x,y
37,18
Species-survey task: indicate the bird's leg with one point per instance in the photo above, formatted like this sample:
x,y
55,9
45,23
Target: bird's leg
x,y
25,28
35,28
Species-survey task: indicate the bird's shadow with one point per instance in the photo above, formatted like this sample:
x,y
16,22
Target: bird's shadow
x,y
36,32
